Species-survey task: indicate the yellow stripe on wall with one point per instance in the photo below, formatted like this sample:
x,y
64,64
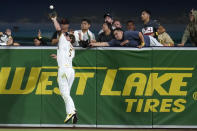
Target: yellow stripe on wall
x,y
156,68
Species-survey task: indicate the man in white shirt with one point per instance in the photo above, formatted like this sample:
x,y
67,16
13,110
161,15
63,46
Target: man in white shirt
x,y
84,34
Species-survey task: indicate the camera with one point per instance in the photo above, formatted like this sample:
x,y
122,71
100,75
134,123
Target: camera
x,y
84,44
3,38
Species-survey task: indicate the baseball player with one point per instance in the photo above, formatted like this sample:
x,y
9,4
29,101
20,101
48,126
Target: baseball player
x,y
66,74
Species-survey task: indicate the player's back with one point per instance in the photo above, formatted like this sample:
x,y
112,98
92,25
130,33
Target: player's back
x,y
65,52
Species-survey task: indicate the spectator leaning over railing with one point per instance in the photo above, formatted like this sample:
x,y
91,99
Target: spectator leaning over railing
x,y
191,30
6,38
129,39
164,38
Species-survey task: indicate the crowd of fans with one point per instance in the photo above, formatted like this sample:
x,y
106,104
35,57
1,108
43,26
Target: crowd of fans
x,y
112,33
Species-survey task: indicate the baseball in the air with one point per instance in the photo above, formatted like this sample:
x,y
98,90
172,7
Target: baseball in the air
x,y
51,7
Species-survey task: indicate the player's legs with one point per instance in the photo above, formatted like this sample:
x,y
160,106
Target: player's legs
x,y
65,90
154,42
70,83
71,77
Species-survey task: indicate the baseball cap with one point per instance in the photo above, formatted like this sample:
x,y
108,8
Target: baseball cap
x,y
107,14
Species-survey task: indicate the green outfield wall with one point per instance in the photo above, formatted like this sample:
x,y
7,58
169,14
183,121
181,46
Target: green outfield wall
x,y
113,88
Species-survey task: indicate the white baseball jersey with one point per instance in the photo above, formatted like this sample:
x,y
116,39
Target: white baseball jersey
x,y
65,52
66,74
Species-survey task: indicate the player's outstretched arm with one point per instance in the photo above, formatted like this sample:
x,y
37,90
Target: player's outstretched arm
x,y
56,23
99,44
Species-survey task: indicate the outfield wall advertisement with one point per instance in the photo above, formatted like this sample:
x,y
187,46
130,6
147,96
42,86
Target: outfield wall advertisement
x,y
113,87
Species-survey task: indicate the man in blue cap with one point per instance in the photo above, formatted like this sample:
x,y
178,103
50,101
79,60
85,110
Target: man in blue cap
x,y
107,19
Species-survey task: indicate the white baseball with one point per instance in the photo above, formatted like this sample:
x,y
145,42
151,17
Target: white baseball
x,y
51,7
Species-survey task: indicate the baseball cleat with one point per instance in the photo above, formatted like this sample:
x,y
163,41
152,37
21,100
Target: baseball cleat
x,y
74,118
69,117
